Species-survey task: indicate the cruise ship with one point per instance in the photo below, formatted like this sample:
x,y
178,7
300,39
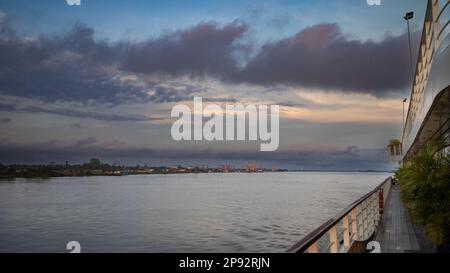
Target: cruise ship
x,y
379,221
429,107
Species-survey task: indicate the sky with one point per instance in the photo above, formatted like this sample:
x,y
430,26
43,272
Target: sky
x,y
100,79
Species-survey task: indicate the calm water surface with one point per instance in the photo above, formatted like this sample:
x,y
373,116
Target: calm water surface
x,y
265,212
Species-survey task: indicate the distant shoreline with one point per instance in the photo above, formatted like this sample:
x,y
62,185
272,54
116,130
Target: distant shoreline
x,y
4,176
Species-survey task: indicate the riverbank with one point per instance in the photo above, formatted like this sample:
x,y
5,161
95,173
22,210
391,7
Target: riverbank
x,y
47,171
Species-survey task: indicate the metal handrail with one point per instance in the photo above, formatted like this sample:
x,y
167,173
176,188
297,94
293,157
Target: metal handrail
x,y
313,237
442,10
439,131
443,129
439,17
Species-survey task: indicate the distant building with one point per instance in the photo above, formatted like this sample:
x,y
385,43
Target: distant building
x,y
95,162
227,168
251,167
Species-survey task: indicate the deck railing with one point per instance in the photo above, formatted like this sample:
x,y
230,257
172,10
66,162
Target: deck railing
x,y
358,222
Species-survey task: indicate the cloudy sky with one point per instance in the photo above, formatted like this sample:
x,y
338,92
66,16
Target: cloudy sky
x,y
100,79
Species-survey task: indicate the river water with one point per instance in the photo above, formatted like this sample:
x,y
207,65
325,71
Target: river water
x,y
263,212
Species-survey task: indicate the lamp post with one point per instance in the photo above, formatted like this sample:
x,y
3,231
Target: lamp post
x,y
404,125
404,100
408,16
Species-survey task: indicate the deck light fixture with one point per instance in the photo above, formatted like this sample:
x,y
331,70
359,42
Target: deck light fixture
x,y
408,16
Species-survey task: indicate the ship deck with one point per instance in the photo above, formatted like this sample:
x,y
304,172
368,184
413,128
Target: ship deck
x,y
396,232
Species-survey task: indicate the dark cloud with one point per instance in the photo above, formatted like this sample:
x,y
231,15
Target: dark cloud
x,y
85,142
69,68
81,150
228,99
321,56
5,120
206,49
76,126
164,94
75,113
292,104
76,67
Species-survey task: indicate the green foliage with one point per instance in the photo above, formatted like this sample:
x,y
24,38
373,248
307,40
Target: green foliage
x,y
425,182
394,142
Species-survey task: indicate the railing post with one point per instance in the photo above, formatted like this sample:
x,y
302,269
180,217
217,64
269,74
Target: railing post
x,y
361,222
354,225
314,248
386,191
364,233
333,240
370,214
376,210
374,215
370,220
346,231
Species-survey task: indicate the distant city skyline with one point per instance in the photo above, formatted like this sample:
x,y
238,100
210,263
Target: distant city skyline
x,y
99,80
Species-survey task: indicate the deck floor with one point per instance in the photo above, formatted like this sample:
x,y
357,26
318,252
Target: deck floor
x,y
396,233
